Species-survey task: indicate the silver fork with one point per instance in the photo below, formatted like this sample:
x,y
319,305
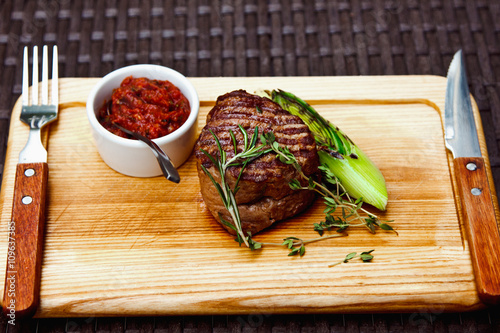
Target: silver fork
x,y
22,281
37,115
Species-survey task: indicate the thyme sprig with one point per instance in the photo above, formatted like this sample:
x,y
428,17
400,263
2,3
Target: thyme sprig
x,y
364,256
333,193
298,245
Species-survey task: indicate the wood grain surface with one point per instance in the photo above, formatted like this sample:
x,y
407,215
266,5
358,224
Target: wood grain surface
x,y
117,245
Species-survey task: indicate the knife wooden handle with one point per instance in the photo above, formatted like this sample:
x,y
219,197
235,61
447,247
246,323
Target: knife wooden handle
x,y
481,226
24,259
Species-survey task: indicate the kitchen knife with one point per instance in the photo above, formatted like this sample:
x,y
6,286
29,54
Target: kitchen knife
x,y
475,197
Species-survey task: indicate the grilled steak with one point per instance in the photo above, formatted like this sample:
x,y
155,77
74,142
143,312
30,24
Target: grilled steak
x,y
264,195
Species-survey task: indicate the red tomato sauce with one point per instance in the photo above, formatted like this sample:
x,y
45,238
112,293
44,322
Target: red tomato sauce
x,y
152,108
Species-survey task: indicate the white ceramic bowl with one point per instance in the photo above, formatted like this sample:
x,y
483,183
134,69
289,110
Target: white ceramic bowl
x,y
133,157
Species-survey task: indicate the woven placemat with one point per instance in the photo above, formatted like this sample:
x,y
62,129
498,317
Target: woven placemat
x,y
262,38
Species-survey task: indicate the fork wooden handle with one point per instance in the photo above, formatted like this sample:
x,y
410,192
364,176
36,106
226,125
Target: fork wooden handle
x,y
26,229
481,226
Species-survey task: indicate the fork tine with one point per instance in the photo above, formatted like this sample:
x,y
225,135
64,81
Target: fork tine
x,y
45,76
34,91
55,76
25,90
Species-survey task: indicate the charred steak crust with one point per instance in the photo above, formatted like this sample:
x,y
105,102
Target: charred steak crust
x,y
264,196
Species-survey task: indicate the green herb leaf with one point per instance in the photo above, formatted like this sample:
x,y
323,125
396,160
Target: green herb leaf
x,y
294,184
226,223
366,256
233,138
385,226
349,256
253,245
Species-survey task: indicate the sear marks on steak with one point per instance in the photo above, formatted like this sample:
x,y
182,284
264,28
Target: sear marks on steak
x,y
264,195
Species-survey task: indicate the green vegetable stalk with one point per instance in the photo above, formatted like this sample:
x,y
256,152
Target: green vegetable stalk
x,y
356,172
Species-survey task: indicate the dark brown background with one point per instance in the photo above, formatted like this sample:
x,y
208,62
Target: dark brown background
x,y
262,38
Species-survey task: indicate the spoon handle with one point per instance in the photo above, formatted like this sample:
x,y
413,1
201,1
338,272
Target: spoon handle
x,y
166,166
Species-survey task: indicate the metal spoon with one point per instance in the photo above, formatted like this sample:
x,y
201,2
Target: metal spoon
x,y
166,165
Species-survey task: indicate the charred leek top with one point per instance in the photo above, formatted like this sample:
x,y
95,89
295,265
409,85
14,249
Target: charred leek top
x,y
357,173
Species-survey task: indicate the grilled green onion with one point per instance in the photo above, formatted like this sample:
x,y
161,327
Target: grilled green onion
x,y
356,172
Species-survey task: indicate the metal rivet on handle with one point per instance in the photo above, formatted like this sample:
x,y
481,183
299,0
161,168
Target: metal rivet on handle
x,y
27,200
29,172
471,166
475,191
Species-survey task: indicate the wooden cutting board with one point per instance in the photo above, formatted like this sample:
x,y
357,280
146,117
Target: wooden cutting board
x,y
117,245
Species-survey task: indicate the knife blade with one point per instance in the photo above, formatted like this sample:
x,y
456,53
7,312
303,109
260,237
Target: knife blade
x,y
476,201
